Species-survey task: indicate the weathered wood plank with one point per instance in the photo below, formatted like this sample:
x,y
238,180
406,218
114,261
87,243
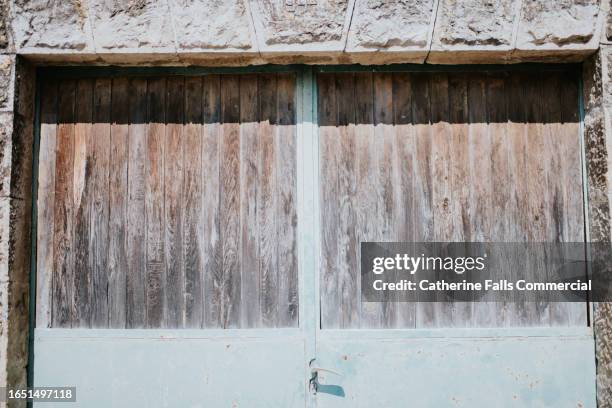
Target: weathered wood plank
x,y
423,192
518,227
83,200
404,150
536,193
500,176
459,174
45,264
386,188
63,232
266,201
100,209
249,173
328,139
348,247
442,193
174,283
366,225
192,203
118,217
229,179
286,202
154,202
211,250
484,313
136,234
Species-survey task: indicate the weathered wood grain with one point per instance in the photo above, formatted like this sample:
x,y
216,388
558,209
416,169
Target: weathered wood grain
x,y
83,202
154,202
63,232
249,175
423,182
136,221
229,180
100,209
329,146
286,202
266,201
442,192
174,284
481,183
348,247
366,225
473,159
118,204
45,264
460,183
212,249
404,150
192,203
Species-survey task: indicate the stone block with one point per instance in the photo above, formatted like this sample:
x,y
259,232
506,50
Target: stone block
x,y
301,25
51,26
559,24
397,26
217,25
132,26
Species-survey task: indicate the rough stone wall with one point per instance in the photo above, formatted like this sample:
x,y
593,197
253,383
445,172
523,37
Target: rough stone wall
x,y
241,32
16,141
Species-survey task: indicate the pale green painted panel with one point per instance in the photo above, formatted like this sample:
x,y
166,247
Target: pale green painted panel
x,y
166,369
457,372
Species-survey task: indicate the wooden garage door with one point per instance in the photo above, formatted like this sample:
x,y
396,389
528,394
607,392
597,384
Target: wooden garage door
x,y
168,202
484,157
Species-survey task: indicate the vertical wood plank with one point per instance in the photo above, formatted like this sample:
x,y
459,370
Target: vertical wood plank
x,y
517,158
500,177
266,200
118,221
174,283
286,226
229,178
442,194
192,203
45,260
459,175
405,156
100,208
249,173
537,194
327,114
385,190
423,212
348,247
366,176
480,180
211,250
154,202
136,234
63,240
83,201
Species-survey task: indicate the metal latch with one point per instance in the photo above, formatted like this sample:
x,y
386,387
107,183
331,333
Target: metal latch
x,y
313,384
